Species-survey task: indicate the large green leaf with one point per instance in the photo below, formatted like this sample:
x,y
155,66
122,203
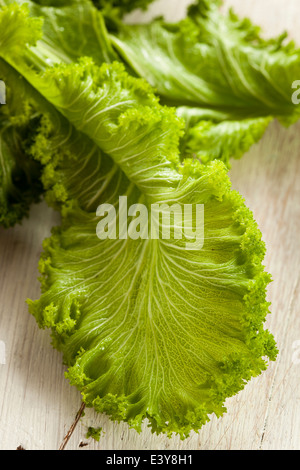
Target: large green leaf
x,y
215,67
55,35
61,34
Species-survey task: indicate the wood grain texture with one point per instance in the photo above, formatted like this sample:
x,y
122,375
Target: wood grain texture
x,y
37,405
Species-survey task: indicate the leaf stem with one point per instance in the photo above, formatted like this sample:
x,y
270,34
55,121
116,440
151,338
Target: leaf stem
x,y
72,427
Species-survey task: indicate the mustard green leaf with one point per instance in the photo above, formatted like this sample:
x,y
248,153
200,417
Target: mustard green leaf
x,y
216,67
148,328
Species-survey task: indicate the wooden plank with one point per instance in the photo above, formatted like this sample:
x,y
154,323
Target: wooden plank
x,y
37,405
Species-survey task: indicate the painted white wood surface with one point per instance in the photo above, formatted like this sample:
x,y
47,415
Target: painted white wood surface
x,y
37,404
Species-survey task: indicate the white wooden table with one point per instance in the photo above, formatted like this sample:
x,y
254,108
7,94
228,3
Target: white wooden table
x,y
37,404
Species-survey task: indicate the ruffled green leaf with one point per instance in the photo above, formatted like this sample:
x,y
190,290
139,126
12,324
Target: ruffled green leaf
x,y
20,174
64,33
208,140
121,7
148,328
17,29
217,66
52,34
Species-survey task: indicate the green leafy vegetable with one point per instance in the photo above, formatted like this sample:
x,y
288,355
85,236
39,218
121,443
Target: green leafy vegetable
x,y
70,31
20,184
123,6
215,67
116,8
19,174
209,140
58,41
147,328
95,433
